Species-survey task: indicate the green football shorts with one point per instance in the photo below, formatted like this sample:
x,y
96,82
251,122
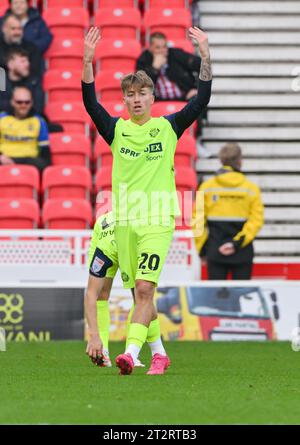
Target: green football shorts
x,y
103,255
142,250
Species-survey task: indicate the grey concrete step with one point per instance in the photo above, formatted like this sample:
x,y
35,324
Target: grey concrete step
x,y
253,165
254,69
277,247
248,7
260,149
248,84
255,100
248,22
255,53
274,182
254,38
281,198
254,117
251,133
279,231
291,214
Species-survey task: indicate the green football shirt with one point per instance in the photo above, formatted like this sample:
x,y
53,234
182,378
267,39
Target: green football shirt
x,y
143,181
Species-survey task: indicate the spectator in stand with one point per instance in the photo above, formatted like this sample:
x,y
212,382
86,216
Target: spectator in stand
x,y
18,74
173,71
23,133
12,37
35,29
233,215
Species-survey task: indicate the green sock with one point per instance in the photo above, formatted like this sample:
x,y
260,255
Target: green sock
x,y
153,331
137,334
128,322
103,319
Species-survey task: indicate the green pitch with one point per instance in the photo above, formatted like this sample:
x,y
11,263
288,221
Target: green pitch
x,y
207,383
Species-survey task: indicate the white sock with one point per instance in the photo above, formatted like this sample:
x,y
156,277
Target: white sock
x,y
157,347
133,350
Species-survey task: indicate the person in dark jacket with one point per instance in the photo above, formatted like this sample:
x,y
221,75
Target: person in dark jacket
x,y
23,133
233,215
172,70
12,37
35,29
18,74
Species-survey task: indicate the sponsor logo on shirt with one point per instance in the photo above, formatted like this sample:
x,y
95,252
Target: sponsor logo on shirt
x,y
155,148
129,153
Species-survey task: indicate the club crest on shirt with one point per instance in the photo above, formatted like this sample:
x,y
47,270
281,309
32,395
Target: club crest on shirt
x,y
97,265
154,132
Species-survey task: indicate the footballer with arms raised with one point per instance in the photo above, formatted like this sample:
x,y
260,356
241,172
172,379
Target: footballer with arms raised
x,y
143,151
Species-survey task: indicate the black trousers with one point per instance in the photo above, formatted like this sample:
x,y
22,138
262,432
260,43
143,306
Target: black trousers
x,y
219,271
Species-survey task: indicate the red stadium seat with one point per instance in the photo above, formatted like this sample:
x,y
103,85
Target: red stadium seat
x,y
186,185
70,149
66,182
67,214
102,154
19,181
72,116
184,44
65,52
115,4
103,179
122,22
163,108
117,53
67,22
19,213
67,3
173,22
116,109
63,85
166,4
108,85
186,151
185,178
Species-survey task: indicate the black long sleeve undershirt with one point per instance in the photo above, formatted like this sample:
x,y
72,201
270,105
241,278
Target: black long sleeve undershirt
x,y
180,121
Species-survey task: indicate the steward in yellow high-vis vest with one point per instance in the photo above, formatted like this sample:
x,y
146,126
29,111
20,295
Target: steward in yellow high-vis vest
x,y
233,215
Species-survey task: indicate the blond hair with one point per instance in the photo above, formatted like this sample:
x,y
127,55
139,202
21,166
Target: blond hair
x,y
231,154
137,80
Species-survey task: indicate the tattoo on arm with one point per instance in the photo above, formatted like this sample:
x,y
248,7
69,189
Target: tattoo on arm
x,y
205,69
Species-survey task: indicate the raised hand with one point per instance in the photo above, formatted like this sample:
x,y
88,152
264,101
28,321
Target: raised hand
x,y
202,40
90,42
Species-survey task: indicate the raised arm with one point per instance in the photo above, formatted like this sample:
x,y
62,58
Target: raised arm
x,y
104,122
184,118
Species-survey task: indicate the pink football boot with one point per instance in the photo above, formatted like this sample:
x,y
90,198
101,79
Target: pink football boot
x,y
125,363
159,364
